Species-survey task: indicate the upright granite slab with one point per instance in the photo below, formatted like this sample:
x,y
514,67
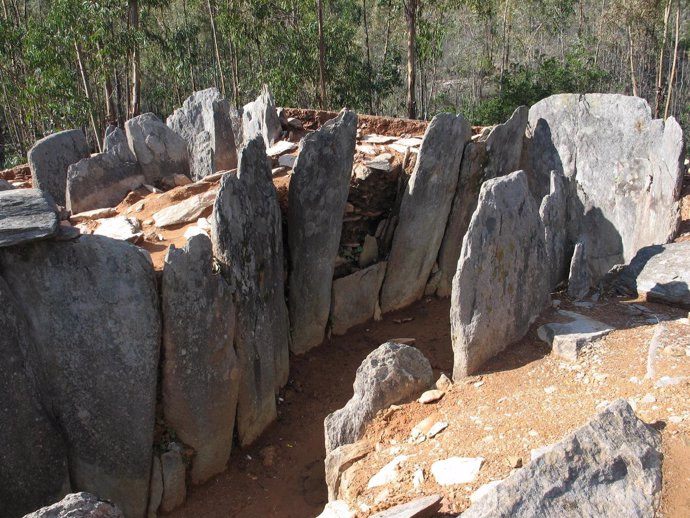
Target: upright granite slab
x,y
623,169
200,371
424,211
610,467
93,317
318,191
33,456
204,121
355,298
247,242
26,215
501,284
50,157
115,143
495,155
159,150
260,117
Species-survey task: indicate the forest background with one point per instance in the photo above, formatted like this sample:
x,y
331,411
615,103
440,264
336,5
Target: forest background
x,y
87,63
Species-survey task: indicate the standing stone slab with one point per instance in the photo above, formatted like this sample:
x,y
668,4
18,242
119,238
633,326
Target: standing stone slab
x,y
204,121
260,117
610,467
496,155
101,181
159,150
50,157
93,316
115,143
553,213
501,283
355,298
390,374
424,211
33,456
200,373
174,486
247,241
318,192
26,215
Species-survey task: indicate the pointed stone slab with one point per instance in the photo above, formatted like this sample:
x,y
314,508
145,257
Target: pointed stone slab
x,y
566,340
501,284
355,298
200,371
26,215
318,192
247,242
424,211
260,117
92,308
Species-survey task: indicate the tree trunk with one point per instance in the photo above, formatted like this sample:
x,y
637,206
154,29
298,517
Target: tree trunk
x,y
411,18
660,66
215,46
632,63
322,57
135,99
672,77
87,92
366,44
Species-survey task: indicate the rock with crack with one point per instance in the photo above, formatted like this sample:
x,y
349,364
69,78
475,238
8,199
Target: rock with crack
x,y
205,122
338,461
159,150
174,486
318,192
355,297
623,171
33,471
75,301
424,507
50,157
200,371
496,154
247,242
392,373
609,467
79,505
501,284
260,118
567,340
424,211
186,211
26,215
115,143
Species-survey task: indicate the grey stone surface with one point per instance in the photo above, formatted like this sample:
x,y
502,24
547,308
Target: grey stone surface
x,y
50,157
579,276
623,171
174,485
79,505
390,374
318,192
423,507
26,215
155,487
370,252
662,273
5,185
115,143
567,339
553,213
247,242
260,117
100,181
92,310
610,467
354,298
204,122
200,372
185,211
33,456
337,462
424,211
496,154
159,150
501,284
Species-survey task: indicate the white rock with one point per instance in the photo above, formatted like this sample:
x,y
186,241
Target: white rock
x,y
437,429
388,473
418,478
378,139
204,224
667,381
280,147
120,227
287,161
538,452
380,163
337,509
456,470
185,211
367,150
648,398
194,231
483,490
410,142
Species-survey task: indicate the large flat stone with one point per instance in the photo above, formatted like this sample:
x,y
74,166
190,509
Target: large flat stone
x,y
566,340
185,211
355,298
424,507
26,215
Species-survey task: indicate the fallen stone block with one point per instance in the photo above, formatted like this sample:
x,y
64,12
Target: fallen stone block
x,y
186,211
424,507
26,215
567,340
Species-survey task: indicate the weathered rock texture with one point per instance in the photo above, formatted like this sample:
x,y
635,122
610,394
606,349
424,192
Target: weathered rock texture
x,y
622,169
567,339
50,157
390,374
94,353
495,155
101,181
200,372
204,122
26,215
424,211
174,486
79,505
500,286
423,507
247,241
318,192
159,150
355,298
33,456
115,143
609,467
260,117
338,461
